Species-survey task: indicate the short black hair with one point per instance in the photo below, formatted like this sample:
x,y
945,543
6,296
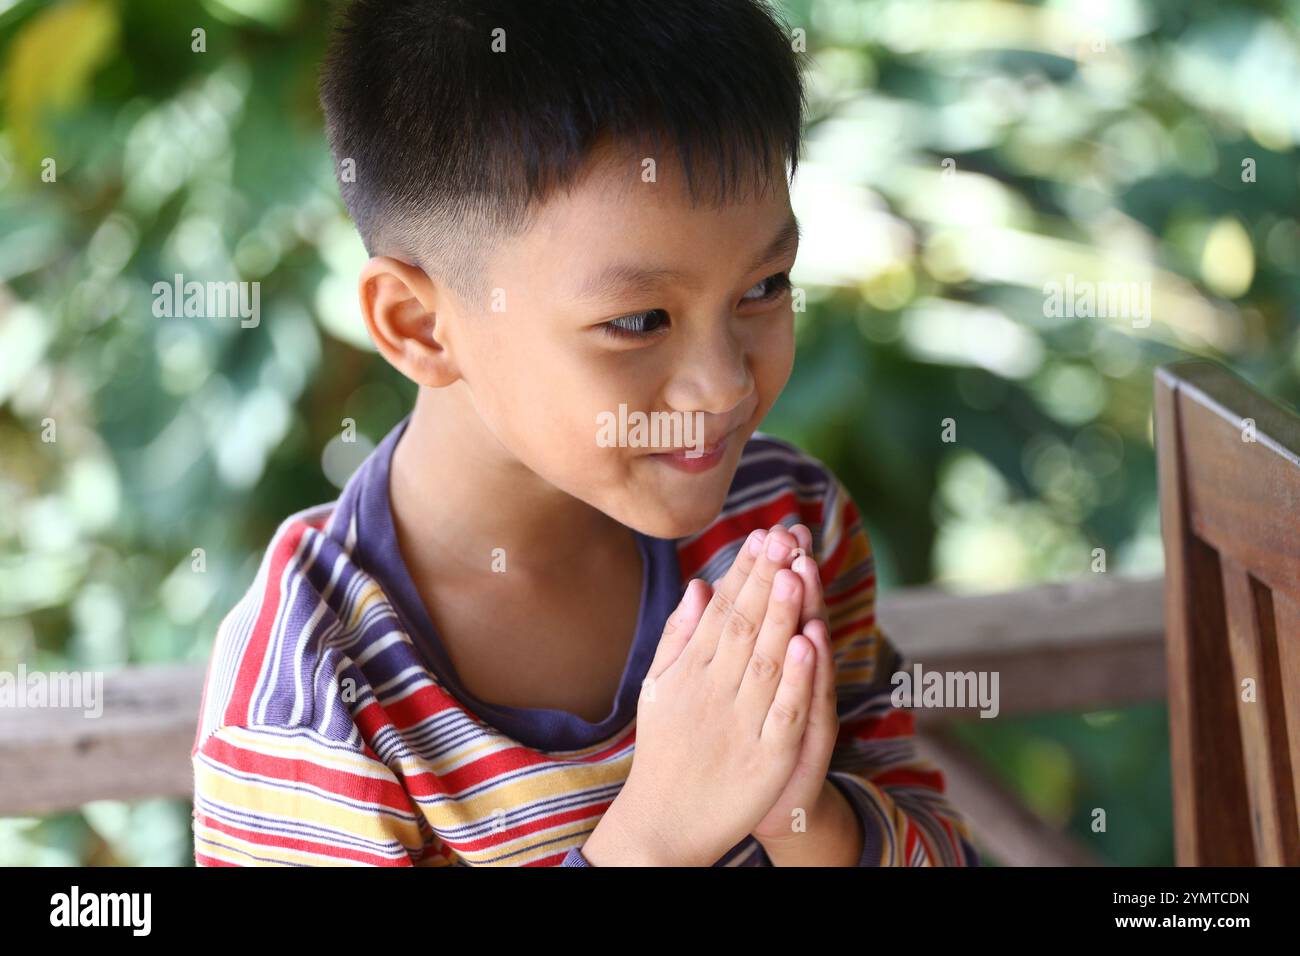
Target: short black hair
x,y
453,143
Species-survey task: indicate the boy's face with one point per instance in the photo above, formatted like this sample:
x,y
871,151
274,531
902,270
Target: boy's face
x,y
697,322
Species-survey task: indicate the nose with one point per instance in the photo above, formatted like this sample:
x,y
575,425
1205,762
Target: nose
x,y
712,373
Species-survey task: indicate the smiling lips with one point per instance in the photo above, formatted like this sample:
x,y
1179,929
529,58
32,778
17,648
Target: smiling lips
x,y
685,459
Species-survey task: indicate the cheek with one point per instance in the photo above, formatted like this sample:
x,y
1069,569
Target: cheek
x,y
773,358
530,401
564,404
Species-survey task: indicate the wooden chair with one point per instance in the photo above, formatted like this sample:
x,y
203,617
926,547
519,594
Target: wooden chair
x,y
1229,463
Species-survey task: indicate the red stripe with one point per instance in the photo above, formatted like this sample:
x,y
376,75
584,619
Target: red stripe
x,y
909,840
952,840
383,793
695,555
554,859
867,623
306,846
868,582
498,763
728,531
420,704
202,859
506,834
254,655
932,857
902,776
848,521
896,722
835,561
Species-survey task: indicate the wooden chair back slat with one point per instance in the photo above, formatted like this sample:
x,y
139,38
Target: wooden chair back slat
x,y
1252,642
1229,462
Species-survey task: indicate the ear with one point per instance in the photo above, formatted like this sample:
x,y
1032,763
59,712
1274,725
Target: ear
x,y
399,304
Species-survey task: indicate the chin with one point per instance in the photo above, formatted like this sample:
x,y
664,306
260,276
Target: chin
x,y
675,522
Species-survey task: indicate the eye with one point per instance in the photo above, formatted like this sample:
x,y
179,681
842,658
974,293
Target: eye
x,y
775,286
640,325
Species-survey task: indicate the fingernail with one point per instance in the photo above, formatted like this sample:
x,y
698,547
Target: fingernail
x,y
776,548
755,543
800,563
799,652
784,587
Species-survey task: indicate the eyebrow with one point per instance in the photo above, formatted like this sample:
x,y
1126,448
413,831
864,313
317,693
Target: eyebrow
x,y
623,277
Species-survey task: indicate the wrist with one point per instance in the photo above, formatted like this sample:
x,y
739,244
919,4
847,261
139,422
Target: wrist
x,y
833,836
623,838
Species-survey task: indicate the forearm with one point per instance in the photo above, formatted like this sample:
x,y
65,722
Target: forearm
x,y
834,835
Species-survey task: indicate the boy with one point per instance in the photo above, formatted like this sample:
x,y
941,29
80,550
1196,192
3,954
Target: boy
x,y
469,659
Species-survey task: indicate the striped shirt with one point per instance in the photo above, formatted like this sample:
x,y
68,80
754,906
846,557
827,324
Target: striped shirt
x,y
333,729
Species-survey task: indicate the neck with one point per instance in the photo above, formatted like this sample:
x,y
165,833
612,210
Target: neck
x,y
457,495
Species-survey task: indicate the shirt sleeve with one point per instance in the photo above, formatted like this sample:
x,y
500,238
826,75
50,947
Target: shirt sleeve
x,y
281,796
575,858
899,798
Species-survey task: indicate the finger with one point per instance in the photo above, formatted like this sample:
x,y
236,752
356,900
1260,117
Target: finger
x,y
754,681
732,637
730,584
814,601
803,535
680,626
788,716
725,595
822,730
823,719
744,559
817,747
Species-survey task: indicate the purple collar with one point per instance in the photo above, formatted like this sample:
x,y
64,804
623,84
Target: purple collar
x,y
541,728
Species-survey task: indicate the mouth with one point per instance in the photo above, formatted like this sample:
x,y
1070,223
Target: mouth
x,y
692,462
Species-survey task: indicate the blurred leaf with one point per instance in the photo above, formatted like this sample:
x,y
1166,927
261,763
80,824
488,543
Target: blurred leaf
x,y
50,64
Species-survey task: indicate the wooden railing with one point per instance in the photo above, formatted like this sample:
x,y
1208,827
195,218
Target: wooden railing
x,y
1093,644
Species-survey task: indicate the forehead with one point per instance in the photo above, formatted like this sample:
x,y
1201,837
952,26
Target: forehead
x,y
630,221
650,179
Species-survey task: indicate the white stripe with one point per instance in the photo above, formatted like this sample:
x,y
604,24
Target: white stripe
x,y
264,691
